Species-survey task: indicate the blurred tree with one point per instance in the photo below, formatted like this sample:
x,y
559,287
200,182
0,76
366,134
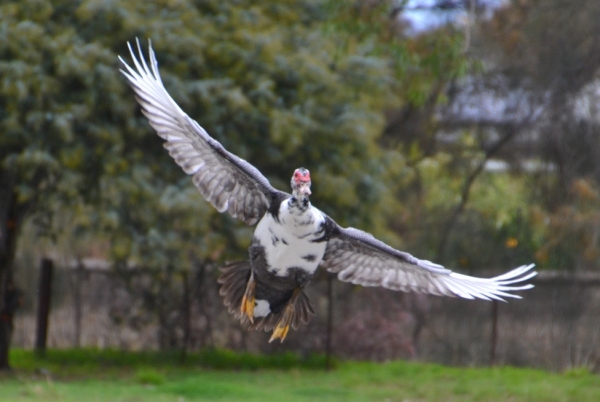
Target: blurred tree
x,y
424,66
261,77
526,105
571,232
551,50
60,107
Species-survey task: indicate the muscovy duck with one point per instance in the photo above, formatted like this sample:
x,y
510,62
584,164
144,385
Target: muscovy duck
x,y
292,237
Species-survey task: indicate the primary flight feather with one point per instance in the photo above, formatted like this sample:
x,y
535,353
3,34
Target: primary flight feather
x,y
292,237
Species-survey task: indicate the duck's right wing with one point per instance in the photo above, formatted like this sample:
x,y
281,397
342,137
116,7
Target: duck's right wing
x,y
228,182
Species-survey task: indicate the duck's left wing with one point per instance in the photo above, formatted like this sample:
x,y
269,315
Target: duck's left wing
x,y
360,258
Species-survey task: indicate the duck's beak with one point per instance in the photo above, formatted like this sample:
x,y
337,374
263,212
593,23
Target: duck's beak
x,y
304,189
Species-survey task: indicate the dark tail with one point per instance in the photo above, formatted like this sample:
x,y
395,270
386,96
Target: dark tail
x,y
233,281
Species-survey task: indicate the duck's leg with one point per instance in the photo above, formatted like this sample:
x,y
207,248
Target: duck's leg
x,y
248,301
283,325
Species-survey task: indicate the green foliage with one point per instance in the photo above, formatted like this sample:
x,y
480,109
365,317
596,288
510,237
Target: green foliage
x,y
567,237
89,361
258,76
417,63
553,67
149,376
493,228
579,372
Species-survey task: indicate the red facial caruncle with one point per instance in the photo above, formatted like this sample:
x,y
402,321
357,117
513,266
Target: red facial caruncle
x,y
301,175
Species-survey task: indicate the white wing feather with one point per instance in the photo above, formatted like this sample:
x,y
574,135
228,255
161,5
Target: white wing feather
x,y
359,258
228,182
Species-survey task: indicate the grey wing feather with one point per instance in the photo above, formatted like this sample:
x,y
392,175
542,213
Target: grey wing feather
x,y
359,258
228,182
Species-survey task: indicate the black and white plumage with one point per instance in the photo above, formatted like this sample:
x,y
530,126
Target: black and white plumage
x,y
292,237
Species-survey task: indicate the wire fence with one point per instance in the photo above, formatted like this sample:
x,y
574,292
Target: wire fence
x,y
555,326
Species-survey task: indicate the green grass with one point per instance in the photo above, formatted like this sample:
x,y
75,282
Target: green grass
x,y
91,375
86,362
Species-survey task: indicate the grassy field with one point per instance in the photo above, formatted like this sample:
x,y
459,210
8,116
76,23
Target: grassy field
x,y
90,375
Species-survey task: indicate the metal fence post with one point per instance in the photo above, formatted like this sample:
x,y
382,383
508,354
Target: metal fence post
x,y
43,311
494,340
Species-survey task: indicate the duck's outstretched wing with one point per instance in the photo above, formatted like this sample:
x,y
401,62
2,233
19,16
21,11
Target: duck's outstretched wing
x,y
228,182
360,258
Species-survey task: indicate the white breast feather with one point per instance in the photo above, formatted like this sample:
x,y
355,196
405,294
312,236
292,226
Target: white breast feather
x,y
281,256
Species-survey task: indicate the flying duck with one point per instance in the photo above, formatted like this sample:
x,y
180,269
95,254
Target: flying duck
x,y
292,238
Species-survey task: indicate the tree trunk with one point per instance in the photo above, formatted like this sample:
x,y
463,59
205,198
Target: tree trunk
x,y
8,239
466,191
43,311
